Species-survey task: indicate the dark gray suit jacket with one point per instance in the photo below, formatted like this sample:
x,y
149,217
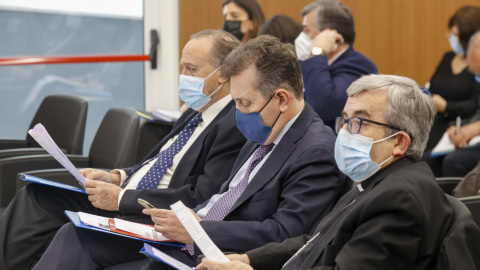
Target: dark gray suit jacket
x,y
397,222
203,168
297,185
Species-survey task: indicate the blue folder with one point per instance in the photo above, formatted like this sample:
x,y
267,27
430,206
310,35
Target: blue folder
x,y
73,216
38,180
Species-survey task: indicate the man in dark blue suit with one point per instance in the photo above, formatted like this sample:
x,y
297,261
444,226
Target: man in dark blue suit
x,y
329,62
396,217
283,183
194,172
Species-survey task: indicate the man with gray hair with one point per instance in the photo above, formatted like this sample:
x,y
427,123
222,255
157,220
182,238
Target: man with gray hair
x,y
329,62
396,216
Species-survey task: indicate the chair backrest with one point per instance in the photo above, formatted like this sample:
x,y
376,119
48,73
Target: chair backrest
x,y
150,133
64,117
473,204
447,184
460,248
115,143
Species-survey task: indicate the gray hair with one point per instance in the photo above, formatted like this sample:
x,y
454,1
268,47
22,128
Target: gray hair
x,y
334,15
408,108
223,44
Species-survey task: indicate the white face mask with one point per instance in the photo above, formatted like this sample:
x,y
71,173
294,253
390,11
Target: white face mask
x,y
303,46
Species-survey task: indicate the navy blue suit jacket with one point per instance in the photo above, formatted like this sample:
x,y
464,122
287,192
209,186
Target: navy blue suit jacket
x,y
326,86
297,185
201,171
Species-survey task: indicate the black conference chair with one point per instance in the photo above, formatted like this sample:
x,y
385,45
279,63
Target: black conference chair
x,y
448,184
113,146
460,248
64,117
150,133
473,204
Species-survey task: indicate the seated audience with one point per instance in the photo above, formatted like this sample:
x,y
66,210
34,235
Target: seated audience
x,y
192,162
284,182
396,217
242,18
329,62
461,161
455,92
282,26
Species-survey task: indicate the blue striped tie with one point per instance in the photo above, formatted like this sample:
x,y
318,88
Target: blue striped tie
x,y
151,179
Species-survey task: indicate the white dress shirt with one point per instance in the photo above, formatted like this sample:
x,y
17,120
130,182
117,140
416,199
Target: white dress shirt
x,y
208,115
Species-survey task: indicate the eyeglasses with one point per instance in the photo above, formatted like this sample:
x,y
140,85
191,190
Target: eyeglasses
x,y
354,124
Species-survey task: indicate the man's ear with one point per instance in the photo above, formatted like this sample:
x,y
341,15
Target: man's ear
x,y
402,143
283,97
222,80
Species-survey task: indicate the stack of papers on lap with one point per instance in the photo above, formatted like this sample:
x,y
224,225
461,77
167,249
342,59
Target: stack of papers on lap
x,y
445,146
160,256
119,227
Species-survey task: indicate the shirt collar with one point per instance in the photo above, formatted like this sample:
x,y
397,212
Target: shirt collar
x,y
336,56
286,128
212,111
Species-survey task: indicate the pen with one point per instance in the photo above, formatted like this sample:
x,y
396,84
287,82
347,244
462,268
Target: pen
x,y
459,123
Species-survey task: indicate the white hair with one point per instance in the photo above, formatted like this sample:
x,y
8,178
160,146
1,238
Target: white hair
x,y
408,108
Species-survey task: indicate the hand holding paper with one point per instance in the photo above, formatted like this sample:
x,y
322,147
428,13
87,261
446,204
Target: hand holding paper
x,y
40,134
204,243
169,225
103,195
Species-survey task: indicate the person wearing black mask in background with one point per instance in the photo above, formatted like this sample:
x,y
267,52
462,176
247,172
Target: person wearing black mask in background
x,y
242,18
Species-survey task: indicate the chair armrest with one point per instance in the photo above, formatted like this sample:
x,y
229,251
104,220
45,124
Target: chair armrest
x,y
9,144
10,167
448,184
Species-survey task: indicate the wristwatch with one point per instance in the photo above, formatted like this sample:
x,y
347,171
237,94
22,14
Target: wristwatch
x,y
318,51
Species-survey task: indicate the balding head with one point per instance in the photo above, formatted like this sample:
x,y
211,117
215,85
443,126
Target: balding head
x,y
473,54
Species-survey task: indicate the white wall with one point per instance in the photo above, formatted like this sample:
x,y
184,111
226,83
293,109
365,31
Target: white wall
x,y
161,84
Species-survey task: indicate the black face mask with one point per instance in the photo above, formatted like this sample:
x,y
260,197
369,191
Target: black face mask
x,y
233,27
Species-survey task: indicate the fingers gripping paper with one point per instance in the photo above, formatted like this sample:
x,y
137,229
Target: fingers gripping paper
x,y
40,134
198,234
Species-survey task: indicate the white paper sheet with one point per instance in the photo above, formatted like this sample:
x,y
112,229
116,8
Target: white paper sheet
x,y
94,220
198,234
445,146
139,229
167,115
40,134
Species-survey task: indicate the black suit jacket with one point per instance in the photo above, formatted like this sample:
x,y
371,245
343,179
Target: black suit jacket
x,y
397,222
201,171
297,185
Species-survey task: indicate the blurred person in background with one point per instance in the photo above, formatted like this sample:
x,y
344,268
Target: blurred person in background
x,y
454,90
282,26
242,18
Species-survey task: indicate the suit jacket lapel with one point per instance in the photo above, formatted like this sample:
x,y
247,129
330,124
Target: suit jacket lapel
x,y
185,165
278,157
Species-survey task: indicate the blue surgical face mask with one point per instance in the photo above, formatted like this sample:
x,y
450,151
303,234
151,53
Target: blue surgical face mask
x,y
352,154
251,125
455,44
190,90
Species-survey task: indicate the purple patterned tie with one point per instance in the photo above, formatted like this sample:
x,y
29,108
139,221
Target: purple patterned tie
x,y
220,208
151,179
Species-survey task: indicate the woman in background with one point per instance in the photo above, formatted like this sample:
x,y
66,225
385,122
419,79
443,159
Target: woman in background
x,y
454,89
282,26
242,18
